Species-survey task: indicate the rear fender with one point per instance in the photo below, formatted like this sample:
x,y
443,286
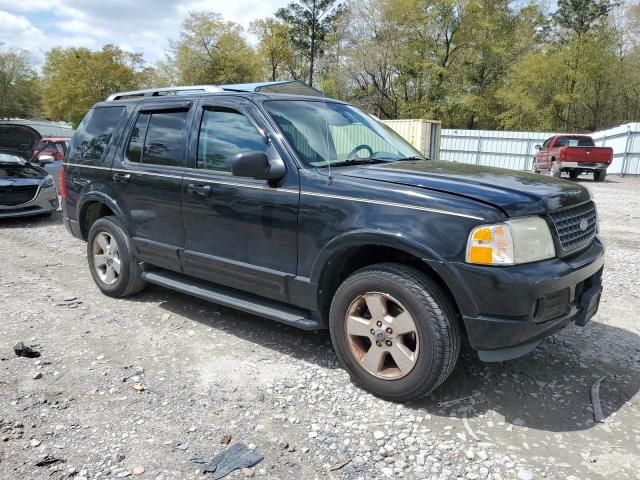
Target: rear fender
x,y
96,196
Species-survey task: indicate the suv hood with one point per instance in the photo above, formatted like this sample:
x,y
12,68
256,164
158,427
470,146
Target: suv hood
x,y
516,193
18,139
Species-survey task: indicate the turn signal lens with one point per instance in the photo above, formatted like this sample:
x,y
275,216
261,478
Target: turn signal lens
x,y
491,245
521,240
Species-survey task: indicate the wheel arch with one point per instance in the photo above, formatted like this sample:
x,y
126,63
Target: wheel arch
x,y
94,206
351,252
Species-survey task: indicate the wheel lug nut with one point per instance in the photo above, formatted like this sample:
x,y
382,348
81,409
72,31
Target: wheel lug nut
x,y
379,324
372,331
389,330
378,344
388,342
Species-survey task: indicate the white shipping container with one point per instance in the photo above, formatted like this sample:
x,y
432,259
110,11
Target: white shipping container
x,y
424,135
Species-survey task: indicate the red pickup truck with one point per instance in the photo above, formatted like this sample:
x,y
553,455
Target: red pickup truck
x,y
574,154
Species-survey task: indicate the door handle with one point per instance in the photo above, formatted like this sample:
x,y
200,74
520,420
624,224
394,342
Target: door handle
x,y
79,183
121,177
199,190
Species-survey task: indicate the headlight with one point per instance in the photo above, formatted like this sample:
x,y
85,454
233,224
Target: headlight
x,y
48,182
522,240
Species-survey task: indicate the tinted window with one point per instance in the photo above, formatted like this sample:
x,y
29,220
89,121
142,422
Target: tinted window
x,y
90,142
136,141
158,139
49,148
223,134
164,144
574,142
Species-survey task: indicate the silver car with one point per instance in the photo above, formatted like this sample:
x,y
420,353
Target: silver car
x,y
26,189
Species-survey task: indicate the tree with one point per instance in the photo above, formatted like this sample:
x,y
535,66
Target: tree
x,y
212,50
310,21
18,84
76,78
275,46
580,16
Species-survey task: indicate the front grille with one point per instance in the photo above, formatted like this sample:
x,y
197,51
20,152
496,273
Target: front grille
x,y
568,229
17,194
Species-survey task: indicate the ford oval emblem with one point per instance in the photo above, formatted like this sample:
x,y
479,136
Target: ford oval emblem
x,y
584,224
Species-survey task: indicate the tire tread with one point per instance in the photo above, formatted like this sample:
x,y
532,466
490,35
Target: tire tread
x,y
437,308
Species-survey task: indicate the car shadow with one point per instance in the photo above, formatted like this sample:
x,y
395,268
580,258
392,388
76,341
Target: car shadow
x,y
589,179
33,221
549,389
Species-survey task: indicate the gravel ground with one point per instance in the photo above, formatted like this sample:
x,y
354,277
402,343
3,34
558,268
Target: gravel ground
x,y
211,375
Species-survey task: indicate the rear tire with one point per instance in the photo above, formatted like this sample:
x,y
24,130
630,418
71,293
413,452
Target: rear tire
x,y
111,262
533,167
554,171
426,341
599,175
573,174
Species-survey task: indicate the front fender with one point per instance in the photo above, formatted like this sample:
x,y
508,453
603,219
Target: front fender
x,y
442,268
358,238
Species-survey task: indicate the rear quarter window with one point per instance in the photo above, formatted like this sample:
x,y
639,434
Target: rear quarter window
x,y
91,141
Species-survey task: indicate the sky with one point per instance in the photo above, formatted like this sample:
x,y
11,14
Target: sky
x,y
141,26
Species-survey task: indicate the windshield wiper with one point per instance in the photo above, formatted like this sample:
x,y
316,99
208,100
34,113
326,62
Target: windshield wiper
x,y
358,161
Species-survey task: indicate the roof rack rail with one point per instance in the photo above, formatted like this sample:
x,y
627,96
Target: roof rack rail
x,y
162,92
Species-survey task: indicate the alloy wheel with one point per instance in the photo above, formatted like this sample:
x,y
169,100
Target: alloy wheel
x,y
106,258
382,335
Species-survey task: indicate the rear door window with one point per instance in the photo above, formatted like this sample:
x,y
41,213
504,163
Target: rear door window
x,y
90,143
158,138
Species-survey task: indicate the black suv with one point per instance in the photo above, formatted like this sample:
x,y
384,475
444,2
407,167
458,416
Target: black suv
x,y
310,212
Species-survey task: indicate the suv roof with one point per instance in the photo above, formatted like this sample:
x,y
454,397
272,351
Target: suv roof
x,y
291,88
260,96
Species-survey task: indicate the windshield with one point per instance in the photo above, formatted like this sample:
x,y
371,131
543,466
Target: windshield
x,y
6,158
323,133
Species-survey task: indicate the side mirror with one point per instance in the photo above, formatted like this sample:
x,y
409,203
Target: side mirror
x,y
538,147
45,159
256,165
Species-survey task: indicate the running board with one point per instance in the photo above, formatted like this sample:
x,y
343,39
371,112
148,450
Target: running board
x,y
231,298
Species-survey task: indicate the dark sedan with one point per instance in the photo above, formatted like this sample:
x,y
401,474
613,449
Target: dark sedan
x,y
25,189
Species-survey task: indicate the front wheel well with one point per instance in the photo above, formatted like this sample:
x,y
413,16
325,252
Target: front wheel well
x,y
349,260
89,213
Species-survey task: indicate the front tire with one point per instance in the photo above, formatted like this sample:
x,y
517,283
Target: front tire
x,y
573,174
394,331
111,262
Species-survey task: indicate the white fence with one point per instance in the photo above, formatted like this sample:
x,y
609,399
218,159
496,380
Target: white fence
x,y
515,150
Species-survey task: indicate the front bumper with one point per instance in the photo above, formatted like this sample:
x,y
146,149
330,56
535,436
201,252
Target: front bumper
x,y
45,201
516,307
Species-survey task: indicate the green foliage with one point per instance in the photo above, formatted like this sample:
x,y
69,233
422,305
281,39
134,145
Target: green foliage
x,y
212,50
76,78
469,63
310,21
19,85
275,47
580,16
